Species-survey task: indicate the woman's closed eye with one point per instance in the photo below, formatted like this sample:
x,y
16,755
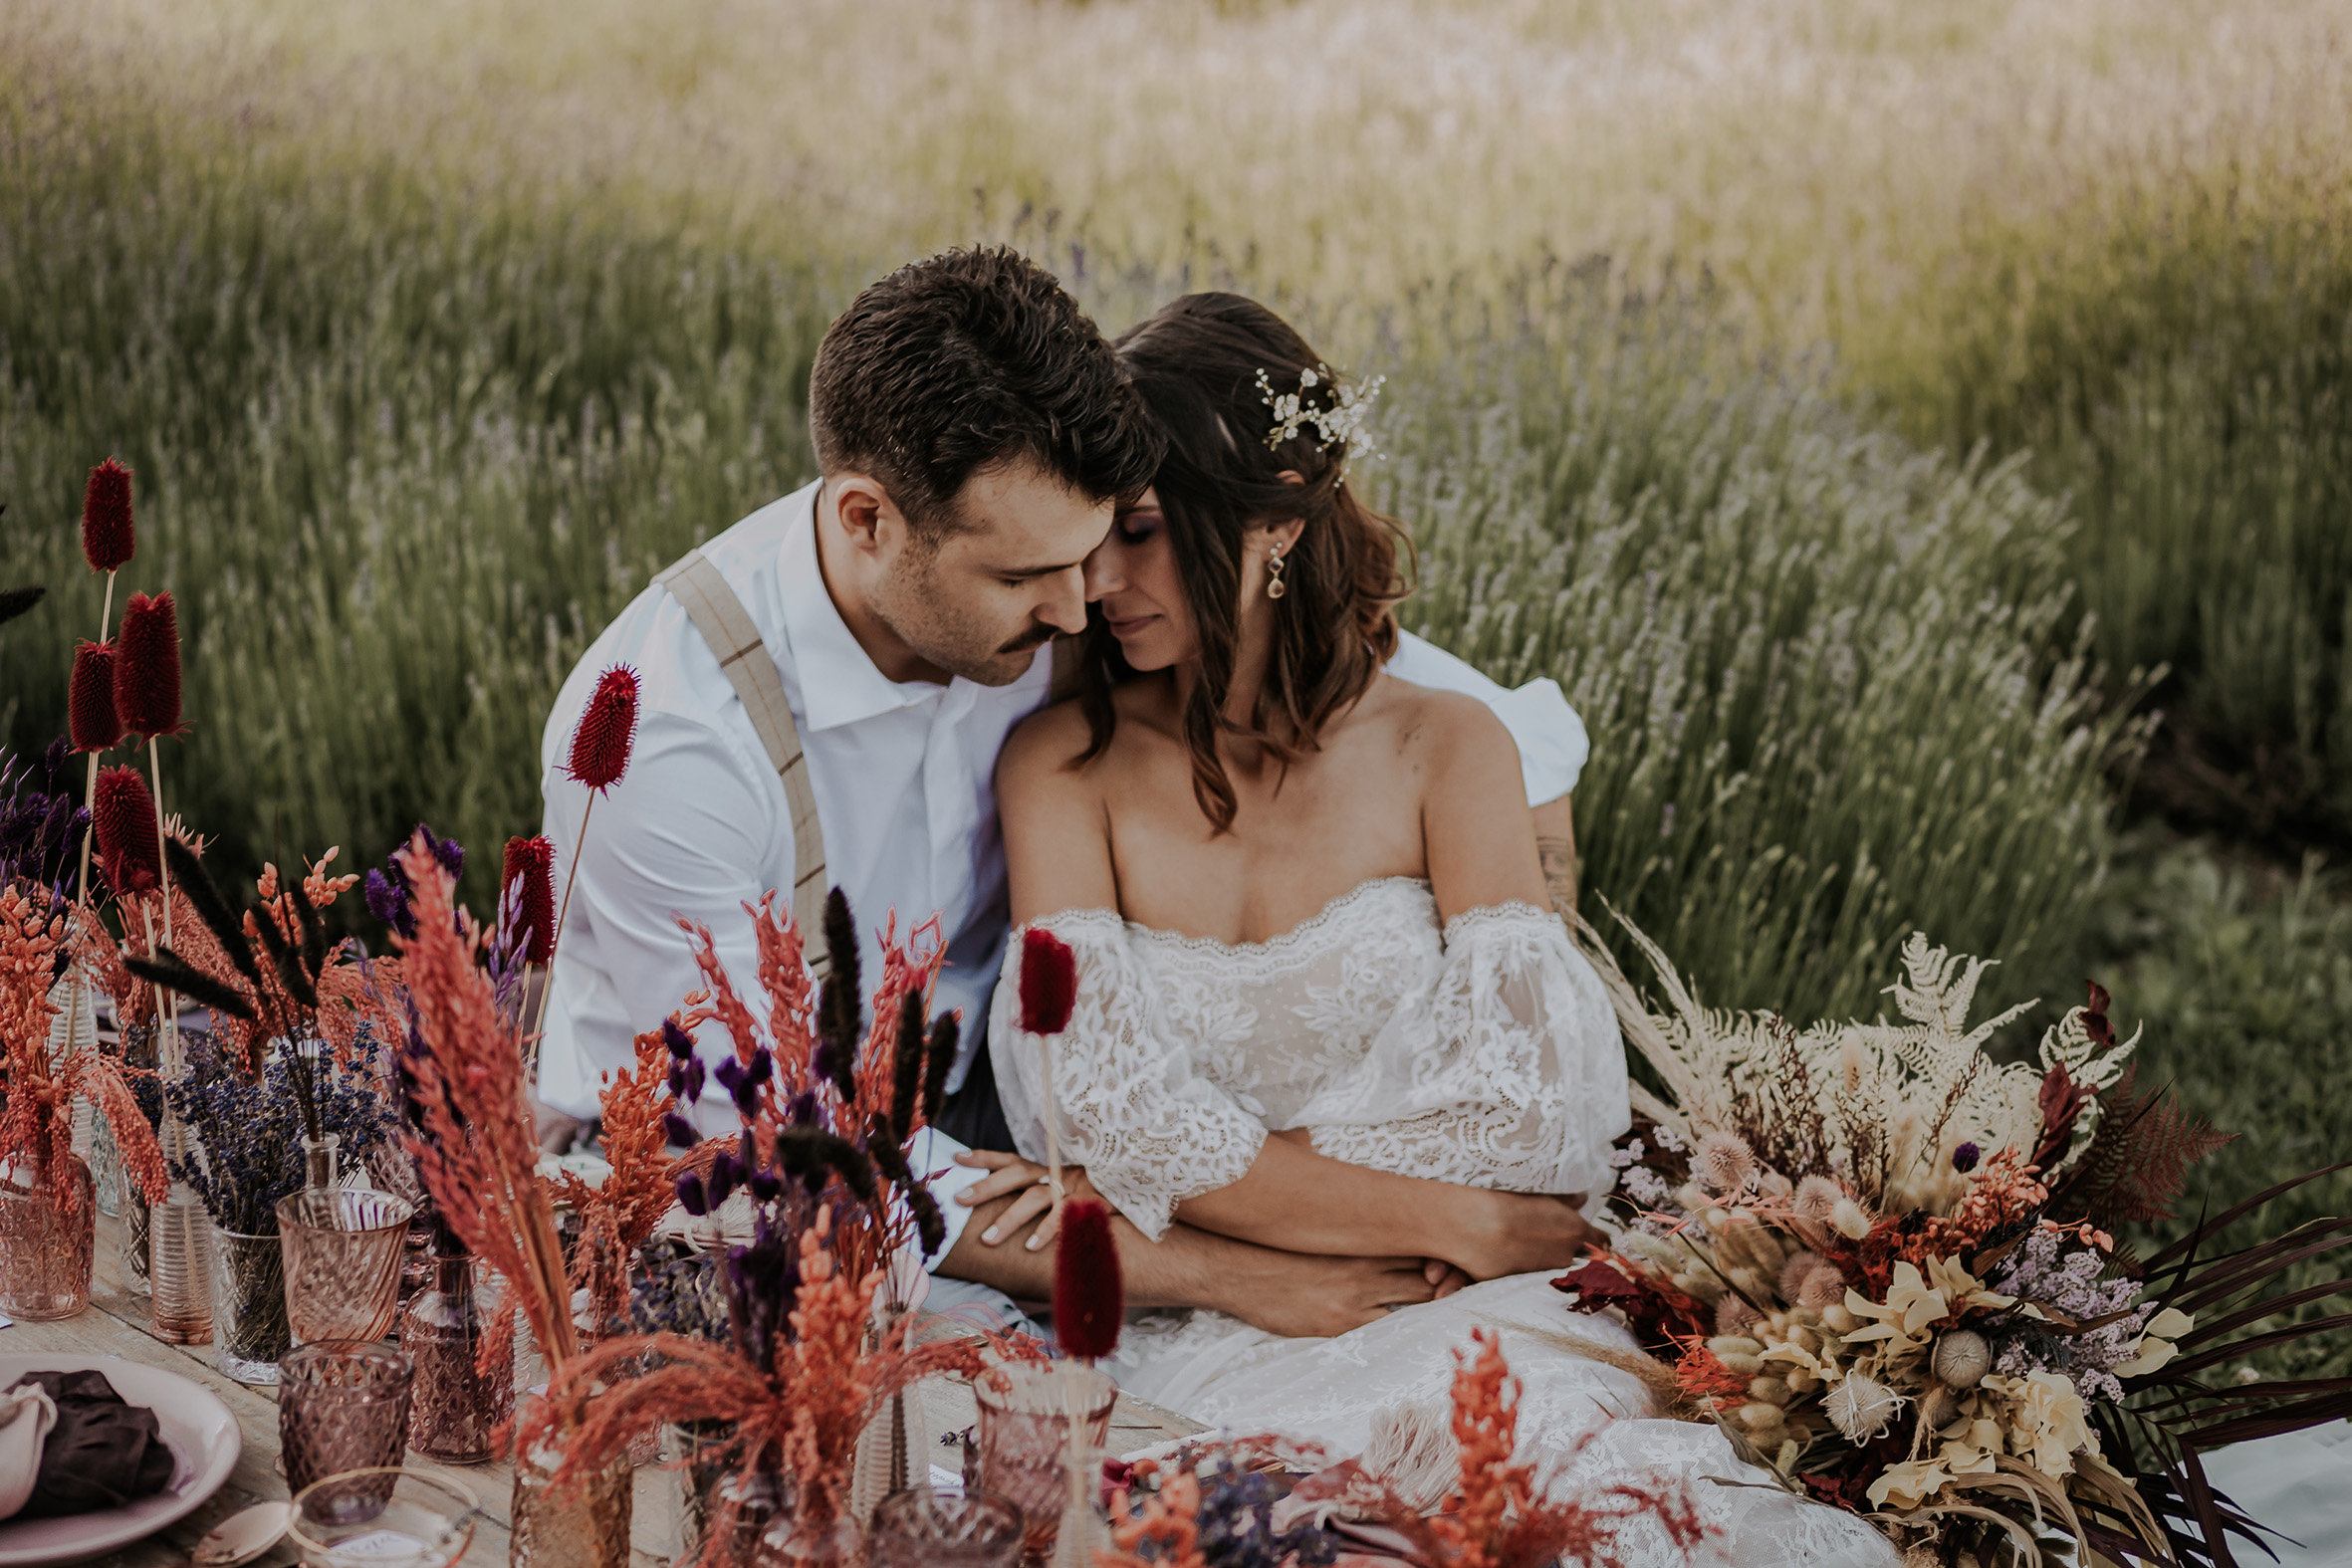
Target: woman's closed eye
x,y
1140,526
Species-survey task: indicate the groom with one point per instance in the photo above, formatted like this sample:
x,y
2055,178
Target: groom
x,y
824,690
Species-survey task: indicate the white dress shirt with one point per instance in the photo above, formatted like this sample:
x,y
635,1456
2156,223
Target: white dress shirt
x,y
904,778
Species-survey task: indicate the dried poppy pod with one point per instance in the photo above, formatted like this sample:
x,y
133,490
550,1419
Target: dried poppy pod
x,y
1962,1358
107,537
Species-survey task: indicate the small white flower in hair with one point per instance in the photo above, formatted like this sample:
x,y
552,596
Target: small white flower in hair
x,y
1342,424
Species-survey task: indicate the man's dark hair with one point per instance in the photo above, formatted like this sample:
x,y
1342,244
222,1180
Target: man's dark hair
x,y
967,359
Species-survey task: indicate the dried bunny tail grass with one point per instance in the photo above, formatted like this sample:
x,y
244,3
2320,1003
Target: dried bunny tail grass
x,y
1726,1161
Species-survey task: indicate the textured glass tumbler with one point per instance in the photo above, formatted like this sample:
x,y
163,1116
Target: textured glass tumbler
x,y
48,1238
923,1527
343,1405
343,1262
1025,1413
249,1305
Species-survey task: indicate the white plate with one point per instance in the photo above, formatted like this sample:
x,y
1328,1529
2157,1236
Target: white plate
x,y
197,1428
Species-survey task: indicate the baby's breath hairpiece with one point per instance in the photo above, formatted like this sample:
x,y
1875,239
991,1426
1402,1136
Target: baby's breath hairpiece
x,y
1344,423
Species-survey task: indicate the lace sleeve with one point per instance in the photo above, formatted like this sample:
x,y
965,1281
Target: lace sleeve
x,y
1505,1071
1150,1132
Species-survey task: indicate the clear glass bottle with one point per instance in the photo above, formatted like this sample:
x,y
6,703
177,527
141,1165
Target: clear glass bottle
x,y
458,1405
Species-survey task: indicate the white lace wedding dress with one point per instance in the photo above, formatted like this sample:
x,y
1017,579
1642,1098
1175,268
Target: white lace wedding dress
x,y
1483,1053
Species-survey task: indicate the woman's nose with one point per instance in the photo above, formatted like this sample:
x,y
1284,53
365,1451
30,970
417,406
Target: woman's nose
x,y
1102,573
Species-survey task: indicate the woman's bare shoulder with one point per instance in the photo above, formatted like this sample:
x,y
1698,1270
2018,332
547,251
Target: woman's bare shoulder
x,y
1448,735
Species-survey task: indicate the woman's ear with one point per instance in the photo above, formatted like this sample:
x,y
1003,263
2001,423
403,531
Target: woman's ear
x,y
1282,533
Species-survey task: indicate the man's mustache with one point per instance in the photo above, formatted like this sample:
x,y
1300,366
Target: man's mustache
x,y
1037,637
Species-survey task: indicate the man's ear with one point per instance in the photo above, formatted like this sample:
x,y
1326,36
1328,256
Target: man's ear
x,y
863,511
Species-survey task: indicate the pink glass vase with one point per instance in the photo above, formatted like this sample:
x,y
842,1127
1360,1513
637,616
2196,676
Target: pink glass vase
x,y
1025,1420
458,1406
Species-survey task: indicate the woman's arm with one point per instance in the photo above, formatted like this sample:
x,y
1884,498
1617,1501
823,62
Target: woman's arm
x,y
1476,826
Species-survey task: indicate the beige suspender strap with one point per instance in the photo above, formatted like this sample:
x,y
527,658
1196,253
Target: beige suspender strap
x,y
724,623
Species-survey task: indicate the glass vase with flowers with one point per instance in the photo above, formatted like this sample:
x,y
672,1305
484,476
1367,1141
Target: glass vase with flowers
x,y
48,1205
249,1156
779,1355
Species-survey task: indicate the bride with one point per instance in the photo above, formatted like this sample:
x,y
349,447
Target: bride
x,y
1322,1002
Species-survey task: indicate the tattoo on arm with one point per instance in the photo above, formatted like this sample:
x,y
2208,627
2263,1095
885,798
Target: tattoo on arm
x,y
1558,856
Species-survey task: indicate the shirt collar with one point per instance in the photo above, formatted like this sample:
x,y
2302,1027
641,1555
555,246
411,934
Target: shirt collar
x,y
838,683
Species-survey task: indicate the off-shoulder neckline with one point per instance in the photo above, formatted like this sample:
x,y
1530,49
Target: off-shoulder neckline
x,y
1306,928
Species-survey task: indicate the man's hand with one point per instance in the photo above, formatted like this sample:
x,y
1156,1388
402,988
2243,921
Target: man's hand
x,y
1295,1294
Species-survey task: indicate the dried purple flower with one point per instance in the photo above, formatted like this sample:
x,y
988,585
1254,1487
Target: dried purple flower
x,y
1965,1158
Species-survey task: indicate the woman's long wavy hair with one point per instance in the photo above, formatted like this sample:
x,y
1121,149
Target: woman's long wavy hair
x,y
1195,363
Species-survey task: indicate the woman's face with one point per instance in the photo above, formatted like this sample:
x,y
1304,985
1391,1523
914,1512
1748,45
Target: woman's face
x,y
1132,574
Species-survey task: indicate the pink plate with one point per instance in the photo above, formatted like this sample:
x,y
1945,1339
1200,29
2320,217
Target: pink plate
x,y
200,1432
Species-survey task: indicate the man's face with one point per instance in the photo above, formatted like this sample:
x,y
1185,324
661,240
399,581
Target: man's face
x,y
983,600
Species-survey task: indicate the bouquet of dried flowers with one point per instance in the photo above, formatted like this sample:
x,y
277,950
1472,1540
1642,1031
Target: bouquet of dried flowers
x,y
781,1349
1882,1259
1219,1504
37,936
250,1131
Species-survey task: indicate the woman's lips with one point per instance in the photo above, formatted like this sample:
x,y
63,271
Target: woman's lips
x,y
1125,629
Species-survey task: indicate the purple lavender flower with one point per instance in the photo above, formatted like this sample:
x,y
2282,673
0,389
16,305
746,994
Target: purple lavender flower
x,y
1965,1158
678,1130
691,1197
680,1042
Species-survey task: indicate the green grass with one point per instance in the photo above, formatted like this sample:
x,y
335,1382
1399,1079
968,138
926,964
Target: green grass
x,y
398,459
2243,981
2180,364
1816,663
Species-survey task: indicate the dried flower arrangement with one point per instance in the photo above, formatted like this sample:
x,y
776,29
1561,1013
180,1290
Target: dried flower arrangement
x,y
1218,1505
36,1115
250,1130
1882,1260
470,1131
789,1347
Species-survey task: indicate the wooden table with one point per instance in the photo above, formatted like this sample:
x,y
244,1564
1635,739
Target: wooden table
x,y
117,1325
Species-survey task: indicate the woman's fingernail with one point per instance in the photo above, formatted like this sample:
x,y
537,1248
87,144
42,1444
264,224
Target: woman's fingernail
x,y
989,1235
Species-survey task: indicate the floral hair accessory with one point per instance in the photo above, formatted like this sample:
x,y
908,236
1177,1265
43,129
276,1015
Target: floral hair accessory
x,y
1342,424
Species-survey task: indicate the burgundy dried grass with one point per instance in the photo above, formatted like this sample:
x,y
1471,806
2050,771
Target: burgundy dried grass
x,y
607,730
532,862
146,666
1089,1298
1049,982
106,536
129,854
90,715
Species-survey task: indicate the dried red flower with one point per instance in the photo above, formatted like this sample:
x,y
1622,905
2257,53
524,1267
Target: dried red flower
x,y
600,745
1049,982
89,698
107,539
1090,1300
533,909
129,854
146,667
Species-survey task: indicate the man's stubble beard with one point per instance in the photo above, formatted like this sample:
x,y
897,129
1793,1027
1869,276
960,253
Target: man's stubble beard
x,y
942,631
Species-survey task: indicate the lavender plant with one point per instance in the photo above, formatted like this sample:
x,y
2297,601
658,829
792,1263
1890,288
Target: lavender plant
x,y
41,822
249,1133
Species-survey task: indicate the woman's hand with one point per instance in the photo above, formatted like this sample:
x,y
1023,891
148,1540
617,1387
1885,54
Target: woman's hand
x,y
1010,1173
1519,1233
